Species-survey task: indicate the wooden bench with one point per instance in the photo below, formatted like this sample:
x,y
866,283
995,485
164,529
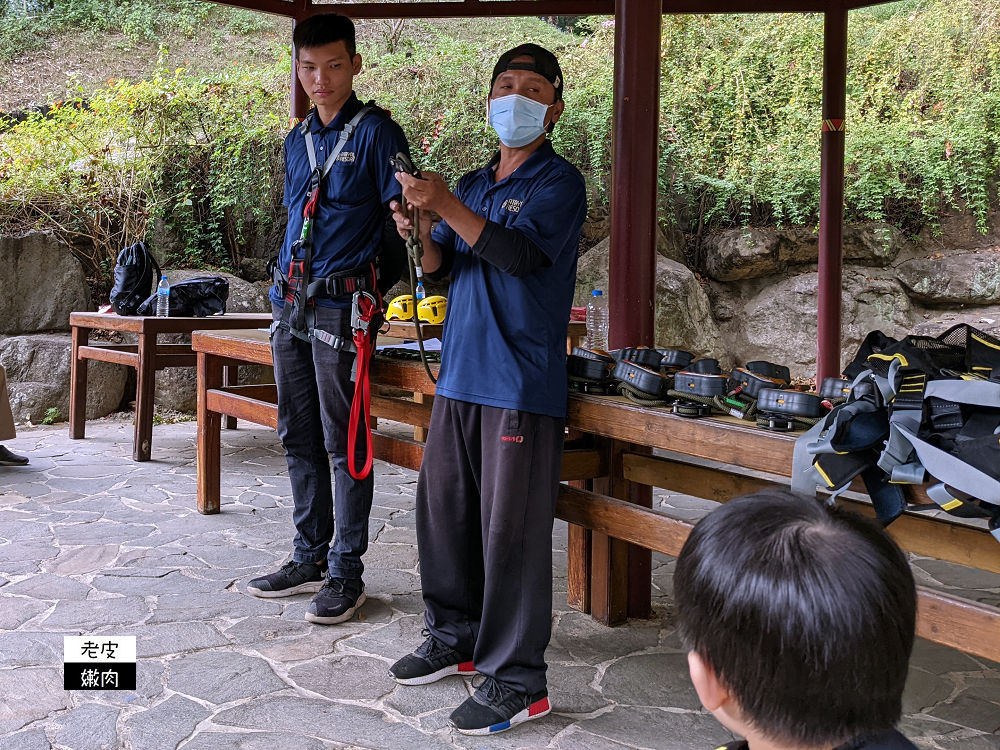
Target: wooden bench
x,y
608,468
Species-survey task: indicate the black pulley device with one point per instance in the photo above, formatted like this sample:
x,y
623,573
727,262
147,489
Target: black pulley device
x,y
675,359
640,355
832,388
645,381
590,371
769,370
693,391
705,367
778,409
748,384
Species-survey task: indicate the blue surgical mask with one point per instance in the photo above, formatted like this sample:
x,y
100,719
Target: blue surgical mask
x,y
517,119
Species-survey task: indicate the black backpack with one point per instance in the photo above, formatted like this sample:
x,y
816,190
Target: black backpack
x,y
193,298
134,278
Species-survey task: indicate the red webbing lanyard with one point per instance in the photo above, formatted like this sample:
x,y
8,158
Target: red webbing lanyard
x,y
365,308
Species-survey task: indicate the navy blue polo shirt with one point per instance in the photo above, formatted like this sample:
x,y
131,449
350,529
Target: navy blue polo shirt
x,y
505,337
347,228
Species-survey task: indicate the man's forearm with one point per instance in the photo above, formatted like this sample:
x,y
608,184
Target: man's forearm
x,y
431,259
467,223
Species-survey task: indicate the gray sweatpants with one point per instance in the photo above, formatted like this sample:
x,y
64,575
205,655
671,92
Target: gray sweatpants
x,y
486,500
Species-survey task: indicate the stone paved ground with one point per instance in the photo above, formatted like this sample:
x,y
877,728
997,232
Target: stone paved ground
x,y
92,543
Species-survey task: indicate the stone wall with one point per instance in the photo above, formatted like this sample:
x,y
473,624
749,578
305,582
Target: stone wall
x,y
758,296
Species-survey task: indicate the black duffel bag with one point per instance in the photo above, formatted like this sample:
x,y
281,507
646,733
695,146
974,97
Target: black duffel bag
x,y
193,298
134,278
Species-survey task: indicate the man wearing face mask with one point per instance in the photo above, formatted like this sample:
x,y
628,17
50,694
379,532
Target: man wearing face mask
x,y
488,482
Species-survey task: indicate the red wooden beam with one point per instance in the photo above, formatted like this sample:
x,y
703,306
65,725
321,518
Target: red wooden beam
x,y
831,192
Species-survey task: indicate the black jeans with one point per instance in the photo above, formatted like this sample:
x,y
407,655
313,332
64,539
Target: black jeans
x,y
486,499
314,404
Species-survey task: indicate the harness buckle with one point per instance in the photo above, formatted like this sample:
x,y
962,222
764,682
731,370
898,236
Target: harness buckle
x,y
361,315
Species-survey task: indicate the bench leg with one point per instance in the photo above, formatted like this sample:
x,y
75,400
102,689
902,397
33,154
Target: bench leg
x,y
145,386
209,436
78,385
231,376
579,545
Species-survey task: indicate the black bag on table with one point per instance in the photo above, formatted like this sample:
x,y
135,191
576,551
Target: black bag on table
x,y
193,298
134,278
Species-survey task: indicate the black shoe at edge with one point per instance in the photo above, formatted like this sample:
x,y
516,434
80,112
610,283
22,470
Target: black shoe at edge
x,y
337,601
494,707
293,578
431,661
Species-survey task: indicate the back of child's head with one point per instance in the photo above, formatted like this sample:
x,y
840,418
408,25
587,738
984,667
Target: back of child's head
x,y
805,613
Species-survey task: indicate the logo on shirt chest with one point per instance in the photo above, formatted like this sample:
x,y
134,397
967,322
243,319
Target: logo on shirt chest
x,y
346,156
512,205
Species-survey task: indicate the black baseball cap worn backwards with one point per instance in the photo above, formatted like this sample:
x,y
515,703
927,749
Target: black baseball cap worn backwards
x,y
543,62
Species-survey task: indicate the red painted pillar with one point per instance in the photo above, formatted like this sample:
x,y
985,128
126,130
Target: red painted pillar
x,y
299,101
634,169
831,192
632,272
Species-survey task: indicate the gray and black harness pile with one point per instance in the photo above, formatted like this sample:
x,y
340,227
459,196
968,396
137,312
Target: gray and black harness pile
x,y
920,410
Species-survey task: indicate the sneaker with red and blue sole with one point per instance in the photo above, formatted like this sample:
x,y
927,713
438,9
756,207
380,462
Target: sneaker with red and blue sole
x,y
431,661
495,707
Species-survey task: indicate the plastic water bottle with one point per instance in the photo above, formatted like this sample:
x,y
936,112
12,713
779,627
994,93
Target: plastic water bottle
x,y
163,298
421,294
597,321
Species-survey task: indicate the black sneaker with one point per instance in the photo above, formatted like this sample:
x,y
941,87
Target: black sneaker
x,y
293,578
494,707
430,662
337,601
9,458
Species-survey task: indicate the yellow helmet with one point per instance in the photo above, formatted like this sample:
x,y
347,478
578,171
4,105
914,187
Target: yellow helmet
x,y
433,309
400,308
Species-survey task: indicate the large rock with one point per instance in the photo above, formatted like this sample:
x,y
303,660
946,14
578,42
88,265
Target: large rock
x,y
962,231
936,322
592,268
752,253
683,314
38,378
42,284
965,278
176,388
778,323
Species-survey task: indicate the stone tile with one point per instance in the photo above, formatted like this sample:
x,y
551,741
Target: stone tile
x,y
924,691
658,730
230,556
579,740
89,727
253,741
88,616
417,700
28,551
959,576
149,674
535,734
970,711
154,582
20,649
375,611
651,680
393,640
318,641
174,638
391,557
345,677
29,694
16,610
970,743
253,630
189,607
29,739
352,725
222,676
16,531
106,532
570,689
51,587
163,726
935,658
82,560
591,643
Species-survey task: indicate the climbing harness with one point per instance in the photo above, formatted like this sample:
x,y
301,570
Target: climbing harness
x,y
917,408
784,410
414,252
590,371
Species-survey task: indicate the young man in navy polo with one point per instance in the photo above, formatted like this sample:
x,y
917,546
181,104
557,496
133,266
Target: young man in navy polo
x,y
486,496
345,148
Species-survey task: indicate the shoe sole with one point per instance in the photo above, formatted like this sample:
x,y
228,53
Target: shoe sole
x,y
536,710
14,463
339,618
463,669
310,587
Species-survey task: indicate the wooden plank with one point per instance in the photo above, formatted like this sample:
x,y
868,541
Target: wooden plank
x,y
119,356
209,436
582,463
398,451
230,377
924,535
78,384
951,621
609,580
142,445
420,433
219,402
579,547
267,392
401,410
246,346
152,324
407,330
640,559
406,375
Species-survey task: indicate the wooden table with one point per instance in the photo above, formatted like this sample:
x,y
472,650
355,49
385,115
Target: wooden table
x,y
146,357
607,474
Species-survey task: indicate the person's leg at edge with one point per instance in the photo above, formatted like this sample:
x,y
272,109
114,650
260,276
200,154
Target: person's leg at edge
x,y
7,429
451,553
301,432
521,468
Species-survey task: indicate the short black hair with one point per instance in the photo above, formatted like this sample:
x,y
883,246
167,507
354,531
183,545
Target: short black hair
x,y
323,29
805,613
542,62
